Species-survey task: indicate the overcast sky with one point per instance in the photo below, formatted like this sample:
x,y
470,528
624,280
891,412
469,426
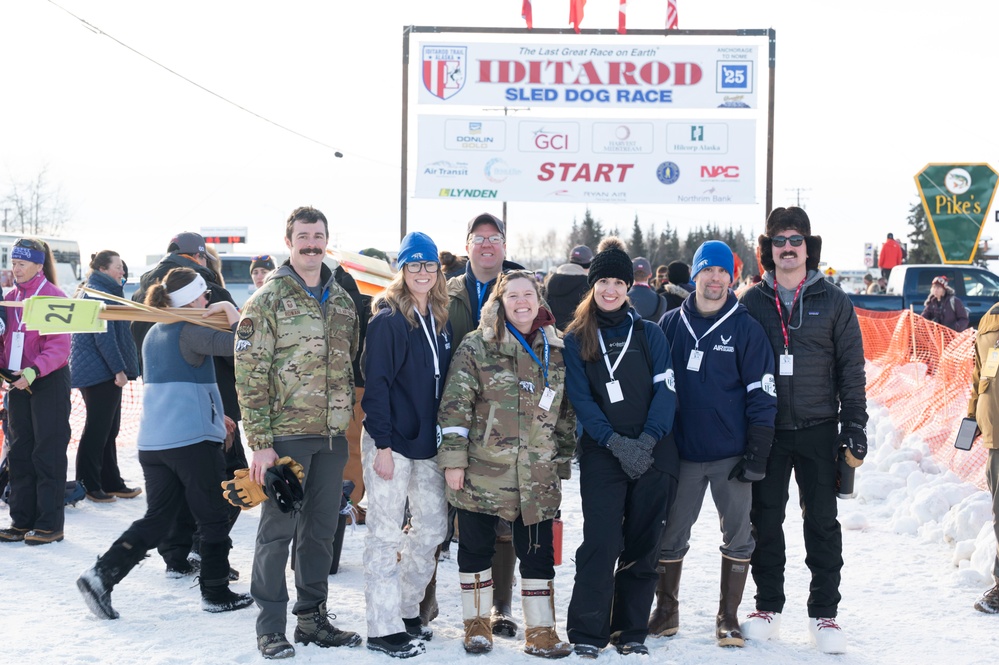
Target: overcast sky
x,y
866,95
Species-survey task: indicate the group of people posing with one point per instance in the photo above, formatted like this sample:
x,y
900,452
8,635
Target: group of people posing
x,y
473,398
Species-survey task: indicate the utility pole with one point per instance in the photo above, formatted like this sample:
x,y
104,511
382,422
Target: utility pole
x,y
797,194
5,211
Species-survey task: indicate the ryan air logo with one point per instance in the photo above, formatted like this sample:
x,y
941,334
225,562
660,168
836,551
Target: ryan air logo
x,y
769,385
444,70
670,380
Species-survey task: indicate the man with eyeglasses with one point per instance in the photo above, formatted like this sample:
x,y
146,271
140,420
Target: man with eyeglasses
x,y
485,243
821,414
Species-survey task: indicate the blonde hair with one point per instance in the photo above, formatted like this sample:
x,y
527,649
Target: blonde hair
x,y
398,298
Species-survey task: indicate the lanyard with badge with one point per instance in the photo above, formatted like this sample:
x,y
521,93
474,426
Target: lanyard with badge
x,y
434,350
548,396
482,292
787,360
991,366
696,355
614,386
17,337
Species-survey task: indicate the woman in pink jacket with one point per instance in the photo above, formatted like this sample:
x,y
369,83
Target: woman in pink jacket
x,y
39,406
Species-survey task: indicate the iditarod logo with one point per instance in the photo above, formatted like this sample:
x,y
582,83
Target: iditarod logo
x,y
444,70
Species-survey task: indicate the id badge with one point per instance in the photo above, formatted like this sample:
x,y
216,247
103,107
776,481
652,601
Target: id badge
x,y
991,366
787,365
694,361
547,397
614,391
16,350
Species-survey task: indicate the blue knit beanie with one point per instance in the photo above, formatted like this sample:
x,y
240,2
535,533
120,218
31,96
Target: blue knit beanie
x,y
713,253
417,246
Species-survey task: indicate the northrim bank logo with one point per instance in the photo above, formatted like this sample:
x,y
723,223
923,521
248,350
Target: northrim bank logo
x,y
444,70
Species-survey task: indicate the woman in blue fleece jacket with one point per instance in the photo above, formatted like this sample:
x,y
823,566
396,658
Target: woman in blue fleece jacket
x,y
406,357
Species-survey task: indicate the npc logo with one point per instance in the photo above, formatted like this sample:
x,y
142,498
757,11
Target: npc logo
x,y
668,173
444,70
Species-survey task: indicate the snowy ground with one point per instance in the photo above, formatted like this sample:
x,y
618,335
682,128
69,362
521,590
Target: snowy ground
x,y
917,545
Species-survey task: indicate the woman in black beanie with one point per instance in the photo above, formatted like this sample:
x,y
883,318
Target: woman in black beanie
x,y
619,379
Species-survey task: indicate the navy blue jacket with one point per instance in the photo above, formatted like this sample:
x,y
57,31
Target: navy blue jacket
x,y
577,385
96,357
400,405
734,387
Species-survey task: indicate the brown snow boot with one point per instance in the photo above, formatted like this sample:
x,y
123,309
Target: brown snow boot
x,y
733,582
665,618
541,639
476,599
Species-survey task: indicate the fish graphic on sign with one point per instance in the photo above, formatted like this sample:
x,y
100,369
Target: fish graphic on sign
x,y
444,70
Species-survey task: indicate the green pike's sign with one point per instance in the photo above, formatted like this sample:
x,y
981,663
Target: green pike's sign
x,y
956,198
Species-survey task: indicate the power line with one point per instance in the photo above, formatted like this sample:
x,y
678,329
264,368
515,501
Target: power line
x,y
93,28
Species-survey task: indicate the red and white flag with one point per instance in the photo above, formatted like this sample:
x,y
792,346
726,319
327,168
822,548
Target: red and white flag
x,y
671,22
576,13
621,16
527,15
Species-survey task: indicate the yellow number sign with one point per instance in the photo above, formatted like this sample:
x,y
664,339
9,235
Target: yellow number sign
x,y
51,316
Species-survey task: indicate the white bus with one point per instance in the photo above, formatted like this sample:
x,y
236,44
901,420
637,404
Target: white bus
x,y
67,257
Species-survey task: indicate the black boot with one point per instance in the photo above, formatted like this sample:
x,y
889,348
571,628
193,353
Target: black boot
x,y
733,582
665,618
215,593
504,562
96,584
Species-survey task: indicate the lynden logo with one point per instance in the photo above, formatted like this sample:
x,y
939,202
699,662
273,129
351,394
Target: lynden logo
x,y
444,70
456,193
714,172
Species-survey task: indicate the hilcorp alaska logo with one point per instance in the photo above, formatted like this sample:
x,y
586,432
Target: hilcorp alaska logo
x,y
444,70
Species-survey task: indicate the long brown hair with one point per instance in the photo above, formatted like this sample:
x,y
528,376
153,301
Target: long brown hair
x,y
500,289
397,296
584,327
159,293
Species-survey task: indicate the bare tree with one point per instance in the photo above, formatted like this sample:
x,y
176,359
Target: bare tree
x,y
36,207
551,249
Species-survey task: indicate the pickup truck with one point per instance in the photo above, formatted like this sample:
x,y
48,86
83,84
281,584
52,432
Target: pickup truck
x,y
909,285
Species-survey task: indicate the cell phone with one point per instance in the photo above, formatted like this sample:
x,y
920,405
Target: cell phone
x,y
966,434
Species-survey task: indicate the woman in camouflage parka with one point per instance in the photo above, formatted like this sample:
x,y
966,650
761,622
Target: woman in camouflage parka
x,y
507,440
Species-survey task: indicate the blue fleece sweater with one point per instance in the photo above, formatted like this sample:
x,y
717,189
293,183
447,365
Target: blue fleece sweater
x,y
596,424
400,404
733,388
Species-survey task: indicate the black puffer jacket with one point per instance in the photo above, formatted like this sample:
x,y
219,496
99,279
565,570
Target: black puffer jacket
x,y
829,383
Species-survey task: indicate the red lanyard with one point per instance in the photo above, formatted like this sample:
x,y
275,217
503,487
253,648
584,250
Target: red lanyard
x,y
780,313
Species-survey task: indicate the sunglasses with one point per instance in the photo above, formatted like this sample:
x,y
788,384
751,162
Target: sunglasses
x,y
29,244
262,257
417,266
478,240
780,241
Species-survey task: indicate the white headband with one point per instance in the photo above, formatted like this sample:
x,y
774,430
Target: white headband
x,y
185,295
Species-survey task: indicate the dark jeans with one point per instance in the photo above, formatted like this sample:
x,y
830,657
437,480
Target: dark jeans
x,y
97,454
616,563
811,453
191,473
533,544
39,436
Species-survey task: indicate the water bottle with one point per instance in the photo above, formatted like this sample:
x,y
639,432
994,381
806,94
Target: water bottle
x,y
844,476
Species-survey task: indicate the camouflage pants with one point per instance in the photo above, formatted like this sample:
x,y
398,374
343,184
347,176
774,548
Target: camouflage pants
x,y
394,584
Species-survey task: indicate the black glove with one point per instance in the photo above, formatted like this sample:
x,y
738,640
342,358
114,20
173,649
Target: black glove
x,y
854,438
633,458
753,465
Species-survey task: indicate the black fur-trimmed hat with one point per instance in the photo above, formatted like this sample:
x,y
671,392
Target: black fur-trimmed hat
x,y
789,219
612,261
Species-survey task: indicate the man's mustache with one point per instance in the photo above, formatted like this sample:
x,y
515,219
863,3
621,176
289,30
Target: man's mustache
x,y
310,251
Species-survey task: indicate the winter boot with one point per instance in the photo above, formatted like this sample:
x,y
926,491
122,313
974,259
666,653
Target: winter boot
x,y
215,593
826,635
476,598
989,602
665,618
397,645
733,582
761,625
274,645
417,630
96,584
538,598
428,606
314,627
504,562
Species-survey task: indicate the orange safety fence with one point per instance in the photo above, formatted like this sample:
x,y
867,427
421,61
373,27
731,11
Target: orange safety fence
x,y
921,371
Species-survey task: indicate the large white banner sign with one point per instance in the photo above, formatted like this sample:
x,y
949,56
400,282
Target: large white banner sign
x,y
585,159
660,76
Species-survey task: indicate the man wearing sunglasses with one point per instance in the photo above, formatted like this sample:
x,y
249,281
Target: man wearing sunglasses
x,y
821,414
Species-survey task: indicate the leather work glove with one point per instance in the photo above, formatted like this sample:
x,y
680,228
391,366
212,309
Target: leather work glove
x,y
241,491
634,459
295,467
853,437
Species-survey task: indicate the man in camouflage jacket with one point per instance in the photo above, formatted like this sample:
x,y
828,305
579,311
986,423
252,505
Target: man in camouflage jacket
x,y
294,345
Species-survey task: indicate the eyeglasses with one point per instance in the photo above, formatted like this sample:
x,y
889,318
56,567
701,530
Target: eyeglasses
x,y
29,244
417,266
780,241
478,240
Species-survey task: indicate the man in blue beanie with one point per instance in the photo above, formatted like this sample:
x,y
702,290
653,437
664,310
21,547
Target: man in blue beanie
x,y
724,428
